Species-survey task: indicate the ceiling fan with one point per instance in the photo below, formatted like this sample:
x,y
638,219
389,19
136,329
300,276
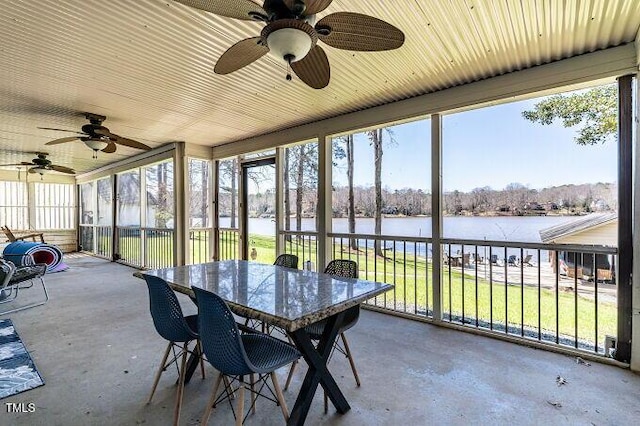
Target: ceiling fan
x,y
42,165
96,136
291,35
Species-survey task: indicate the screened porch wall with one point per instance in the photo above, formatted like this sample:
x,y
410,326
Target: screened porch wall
x,y
37,203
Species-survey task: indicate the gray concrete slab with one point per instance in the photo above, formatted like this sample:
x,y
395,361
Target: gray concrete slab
x,y
95,345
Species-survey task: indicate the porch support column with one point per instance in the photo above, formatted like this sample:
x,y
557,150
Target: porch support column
x,y
215,195
625,217
436,214
280,153
325,199
635,340
180,205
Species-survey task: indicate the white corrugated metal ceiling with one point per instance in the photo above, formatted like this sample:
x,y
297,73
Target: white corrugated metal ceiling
x,y
148,65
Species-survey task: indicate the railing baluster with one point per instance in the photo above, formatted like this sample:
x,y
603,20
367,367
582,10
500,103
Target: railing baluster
x,y
491,287
595,295
506,294
521,292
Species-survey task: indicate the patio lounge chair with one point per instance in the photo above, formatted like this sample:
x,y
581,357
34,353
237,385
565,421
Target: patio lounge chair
x,y
513,260
527,260
13,238
13,279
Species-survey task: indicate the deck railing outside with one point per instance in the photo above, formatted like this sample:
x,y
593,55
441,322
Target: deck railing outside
x,y
557,294
304,245
96,239
199,245
145,247
228,240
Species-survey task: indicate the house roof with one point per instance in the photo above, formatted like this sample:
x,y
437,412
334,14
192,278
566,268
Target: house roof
x,y
148,66
552,233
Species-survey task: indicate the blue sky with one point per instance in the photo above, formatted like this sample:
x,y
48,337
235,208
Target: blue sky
x,y
491,146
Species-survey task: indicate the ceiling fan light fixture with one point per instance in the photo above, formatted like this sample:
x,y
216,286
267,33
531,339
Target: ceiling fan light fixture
x,y
289,43
40,170
96,144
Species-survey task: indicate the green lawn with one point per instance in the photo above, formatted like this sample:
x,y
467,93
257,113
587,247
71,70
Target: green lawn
x,y
413,292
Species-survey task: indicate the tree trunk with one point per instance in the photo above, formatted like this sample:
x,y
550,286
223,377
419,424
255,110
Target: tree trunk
x,y
287,194
233,193
377,146
351,208
300,185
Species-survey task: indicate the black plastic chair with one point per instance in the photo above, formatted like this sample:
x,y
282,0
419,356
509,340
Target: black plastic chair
x,y
237,355
179,330
346,269
287,260
15,278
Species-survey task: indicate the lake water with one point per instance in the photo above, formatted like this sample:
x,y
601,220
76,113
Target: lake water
x,y
500,228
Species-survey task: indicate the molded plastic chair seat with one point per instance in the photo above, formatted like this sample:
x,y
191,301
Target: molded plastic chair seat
x,y
237,355
267,353
173,326
287,260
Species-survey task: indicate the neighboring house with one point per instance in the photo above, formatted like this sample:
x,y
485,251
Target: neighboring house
x,y
594,229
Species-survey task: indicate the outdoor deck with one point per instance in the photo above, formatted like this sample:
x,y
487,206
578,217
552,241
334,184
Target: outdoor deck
x,y
95,345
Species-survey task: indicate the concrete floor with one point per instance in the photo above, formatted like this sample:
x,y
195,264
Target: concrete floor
x,y
95,345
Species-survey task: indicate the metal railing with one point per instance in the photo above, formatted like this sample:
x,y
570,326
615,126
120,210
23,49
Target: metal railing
x,y
304,245
145,247
96,239
562,295
199,245
228,240
553,293
401,261
158,247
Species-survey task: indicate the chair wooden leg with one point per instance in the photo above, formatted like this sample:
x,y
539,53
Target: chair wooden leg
x,y
212,400
159,373
279,396
290,375
201,355
253,393
183,368
350,357
240,410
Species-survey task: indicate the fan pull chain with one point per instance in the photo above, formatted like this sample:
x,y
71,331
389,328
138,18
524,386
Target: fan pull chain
x,y
288,58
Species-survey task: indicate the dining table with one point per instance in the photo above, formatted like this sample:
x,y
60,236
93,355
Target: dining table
x,y
290,299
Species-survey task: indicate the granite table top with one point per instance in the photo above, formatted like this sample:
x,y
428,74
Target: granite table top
x,y
288,298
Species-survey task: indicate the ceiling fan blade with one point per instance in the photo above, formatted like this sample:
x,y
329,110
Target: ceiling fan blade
x,y
314,68
240,55
313,6
238,9
61,130
19,164
62,140
62,169
354,31
110,149
128,142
